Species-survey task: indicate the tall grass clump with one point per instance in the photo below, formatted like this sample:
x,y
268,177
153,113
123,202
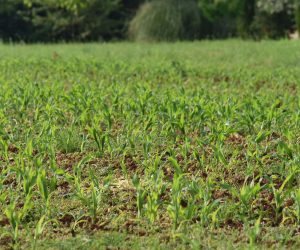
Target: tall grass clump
x,y
166,20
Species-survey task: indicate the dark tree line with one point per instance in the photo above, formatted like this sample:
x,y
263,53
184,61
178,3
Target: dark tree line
x,y
94,20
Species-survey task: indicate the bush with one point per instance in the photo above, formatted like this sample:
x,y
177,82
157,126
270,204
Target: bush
x,y
218,19
297,17
261,19
12,24
271,26
166,20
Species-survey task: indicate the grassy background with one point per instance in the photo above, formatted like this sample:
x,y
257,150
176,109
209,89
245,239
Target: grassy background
x,y
183,145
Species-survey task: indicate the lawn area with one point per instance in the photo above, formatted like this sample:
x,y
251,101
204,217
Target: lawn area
x,y
154,146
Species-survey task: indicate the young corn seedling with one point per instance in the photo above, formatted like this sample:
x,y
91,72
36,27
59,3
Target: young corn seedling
x,y
15,217
140,195
144,97
45,187
77,221
29,180
285,150
95,200
199,157
76,179
182,124
174,209
246,195
261,136
296,211
185,149
80,192
39,228
147,146
208,208
219,155
154,193
254,232
108,116
152,205
100,140
92,201
191,208
4,149
96,194
280,195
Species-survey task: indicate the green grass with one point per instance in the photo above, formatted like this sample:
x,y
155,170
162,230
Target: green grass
x,y
185,145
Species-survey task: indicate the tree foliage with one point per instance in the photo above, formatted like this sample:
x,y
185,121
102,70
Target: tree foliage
x,y
93,20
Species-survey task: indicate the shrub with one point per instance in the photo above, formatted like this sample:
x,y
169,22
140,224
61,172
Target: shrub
x,y
271,26
297,16
166,20
275,18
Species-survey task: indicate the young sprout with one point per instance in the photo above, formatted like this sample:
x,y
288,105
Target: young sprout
x,y
140,195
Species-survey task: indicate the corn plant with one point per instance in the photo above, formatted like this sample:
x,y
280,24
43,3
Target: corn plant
x,y
174,208
296,211
100,140
14,219
4,149
280,195
140,195
254,232
96,194
154,192
42,184
39,228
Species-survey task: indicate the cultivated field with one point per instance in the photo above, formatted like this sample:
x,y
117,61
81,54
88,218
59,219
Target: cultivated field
x,y
188,145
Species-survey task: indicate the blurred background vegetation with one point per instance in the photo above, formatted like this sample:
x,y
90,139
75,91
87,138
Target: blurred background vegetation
x,y
146,20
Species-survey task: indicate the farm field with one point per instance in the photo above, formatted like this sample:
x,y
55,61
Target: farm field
x,y
155,146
